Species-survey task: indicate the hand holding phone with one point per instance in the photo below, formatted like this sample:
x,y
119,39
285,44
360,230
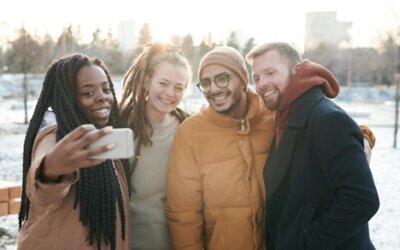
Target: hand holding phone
x,y
121,138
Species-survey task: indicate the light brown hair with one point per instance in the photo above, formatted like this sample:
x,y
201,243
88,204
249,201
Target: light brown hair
x,y
287,51
134,94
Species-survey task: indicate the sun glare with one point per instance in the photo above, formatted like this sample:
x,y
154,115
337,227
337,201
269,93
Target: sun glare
x,y
262,20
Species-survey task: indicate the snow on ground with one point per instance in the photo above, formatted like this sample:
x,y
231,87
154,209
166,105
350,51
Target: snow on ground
x,y
385,164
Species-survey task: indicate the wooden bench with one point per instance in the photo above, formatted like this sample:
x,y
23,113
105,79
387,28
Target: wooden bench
x,y
10,197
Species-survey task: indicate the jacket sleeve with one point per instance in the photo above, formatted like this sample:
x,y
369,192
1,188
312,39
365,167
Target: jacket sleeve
x,y
184,197
40,193
369,135
338,143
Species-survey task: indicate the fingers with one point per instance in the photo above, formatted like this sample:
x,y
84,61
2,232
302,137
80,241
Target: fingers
x,y
88,133
79,132
92,136
72,151
85,158
98,150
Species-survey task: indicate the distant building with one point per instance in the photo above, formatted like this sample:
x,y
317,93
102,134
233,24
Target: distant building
x,y
128,31
323,27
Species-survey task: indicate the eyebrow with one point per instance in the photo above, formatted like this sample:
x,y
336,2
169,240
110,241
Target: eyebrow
x,y
222,73
166,80
90,84
268,69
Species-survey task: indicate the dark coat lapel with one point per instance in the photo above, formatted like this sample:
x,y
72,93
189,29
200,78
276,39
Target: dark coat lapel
x,y
279,160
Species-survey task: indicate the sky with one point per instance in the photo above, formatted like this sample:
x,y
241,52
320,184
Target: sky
x,y
264,20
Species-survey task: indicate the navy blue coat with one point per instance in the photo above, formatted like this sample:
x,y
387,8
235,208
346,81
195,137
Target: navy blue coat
x,y
320,190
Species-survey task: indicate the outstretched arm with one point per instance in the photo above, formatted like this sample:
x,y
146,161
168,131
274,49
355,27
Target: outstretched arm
x,y
55,166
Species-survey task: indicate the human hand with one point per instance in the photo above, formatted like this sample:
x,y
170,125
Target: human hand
x,y
72,153
367,149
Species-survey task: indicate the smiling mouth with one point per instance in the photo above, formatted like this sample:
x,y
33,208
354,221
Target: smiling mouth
x,y
218,97
269,93
166,101
104,112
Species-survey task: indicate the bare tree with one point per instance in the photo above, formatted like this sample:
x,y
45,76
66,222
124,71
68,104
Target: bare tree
x,y
24,57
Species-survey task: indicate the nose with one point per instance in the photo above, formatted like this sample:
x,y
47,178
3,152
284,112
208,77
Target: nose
x,y
170,91
262,83
213,86
102,97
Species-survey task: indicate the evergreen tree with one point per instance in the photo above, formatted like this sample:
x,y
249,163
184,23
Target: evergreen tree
x,y
247,47
113,55
389,59
189,51
48,52
68,42
232,41
23,56
176,40
144,38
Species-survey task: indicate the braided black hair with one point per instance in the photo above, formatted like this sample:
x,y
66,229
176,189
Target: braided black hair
x,y
98,189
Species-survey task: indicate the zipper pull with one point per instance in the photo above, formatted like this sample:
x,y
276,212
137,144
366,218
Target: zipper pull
x,y
242,125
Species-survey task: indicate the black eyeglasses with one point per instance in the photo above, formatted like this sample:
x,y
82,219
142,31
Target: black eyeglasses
x,y
220,80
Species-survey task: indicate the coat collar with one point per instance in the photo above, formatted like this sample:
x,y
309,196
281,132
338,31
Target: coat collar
x,y
303,107
253,116
278,162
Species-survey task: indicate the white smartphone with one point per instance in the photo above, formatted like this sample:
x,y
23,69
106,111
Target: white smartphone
x,y
122,138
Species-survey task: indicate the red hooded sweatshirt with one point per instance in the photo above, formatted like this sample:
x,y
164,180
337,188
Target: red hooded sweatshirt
x,y
307,76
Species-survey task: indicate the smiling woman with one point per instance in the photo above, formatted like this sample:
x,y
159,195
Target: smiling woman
x,y
94,94
70,200
153,88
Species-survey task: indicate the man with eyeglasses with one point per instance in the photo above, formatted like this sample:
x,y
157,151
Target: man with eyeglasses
x,y
215,187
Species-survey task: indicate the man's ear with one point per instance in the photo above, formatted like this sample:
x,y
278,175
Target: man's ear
x,y
293,69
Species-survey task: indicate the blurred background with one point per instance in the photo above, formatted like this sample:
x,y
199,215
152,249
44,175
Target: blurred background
x,y
358,41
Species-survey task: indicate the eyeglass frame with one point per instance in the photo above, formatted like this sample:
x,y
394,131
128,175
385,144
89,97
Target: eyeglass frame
x,y
228,75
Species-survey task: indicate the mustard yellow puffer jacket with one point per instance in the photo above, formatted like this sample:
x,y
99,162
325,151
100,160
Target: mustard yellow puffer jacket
x,y
215,192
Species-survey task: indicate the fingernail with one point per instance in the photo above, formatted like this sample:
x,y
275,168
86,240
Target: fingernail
x,y
108,129
89,127
110,146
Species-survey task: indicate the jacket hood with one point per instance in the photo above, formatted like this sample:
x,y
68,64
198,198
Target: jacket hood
x,y
308,75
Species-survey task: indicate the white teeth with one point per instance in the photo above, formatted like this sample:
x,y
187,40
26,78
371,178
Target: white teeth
x,y
102,111
268,93
219,98
168,102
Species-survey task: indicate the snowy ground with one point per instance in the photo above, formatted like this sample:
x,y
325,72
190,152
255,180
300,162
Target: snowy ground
x,y
385,164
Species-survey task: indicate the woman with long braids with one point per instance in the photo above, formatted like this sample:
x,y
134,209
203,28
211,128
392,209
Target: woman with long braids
x,y
70,201
152,89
